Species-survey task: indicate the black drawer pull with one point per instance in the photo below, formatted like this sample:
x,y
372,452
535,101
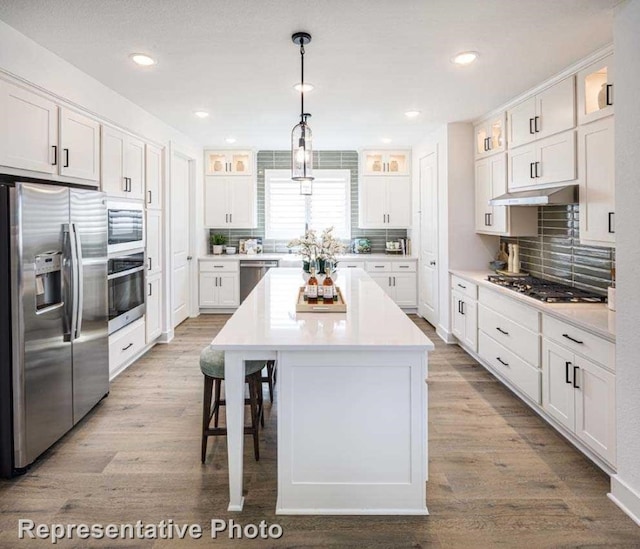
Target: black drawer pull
x,y
567,365
462,286
127,347
55,155
531,127
572,339
536,126
502,361
575,377
612,228
502,331
531,174
403,266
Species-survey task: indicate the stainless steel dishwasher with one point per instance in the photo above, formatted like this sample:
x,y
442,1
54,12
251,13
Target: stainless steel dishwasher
x,y
250,274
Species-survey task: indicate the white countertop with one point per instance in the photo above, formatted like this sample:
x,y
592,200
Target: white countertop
x,y
267,319
295,257
593,317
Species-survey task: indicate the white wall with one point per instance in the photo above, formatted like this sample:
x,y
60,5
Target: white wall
x,y
626,484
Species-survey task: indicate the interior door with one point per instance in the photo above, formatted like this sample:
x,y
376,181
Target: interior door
x,y
180,223
428,294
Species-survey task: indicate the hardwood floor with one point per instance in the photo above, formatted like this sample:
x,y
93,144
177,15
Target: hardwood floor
x,y
499,476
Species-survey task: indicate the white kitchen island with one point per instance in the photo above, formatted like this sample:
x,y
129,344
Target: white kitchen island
x,y
352,398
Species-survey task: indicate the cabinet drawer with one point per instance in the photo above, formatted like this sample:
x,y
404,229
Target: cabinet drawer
x,y
378,266
351,265
522,375
219,266
404,266
464,287
580,341
527,317
522,342
126,343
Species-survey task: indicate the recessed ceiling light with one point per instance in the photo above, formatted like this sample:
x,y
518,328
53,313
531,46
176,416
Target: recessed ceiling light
x,y
385,140
201,114
306,87
230,140
412,114
465,58
142,59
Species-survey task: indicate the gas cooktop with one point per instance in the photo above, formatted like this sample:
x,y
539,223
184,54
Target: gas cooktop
x,y
544,290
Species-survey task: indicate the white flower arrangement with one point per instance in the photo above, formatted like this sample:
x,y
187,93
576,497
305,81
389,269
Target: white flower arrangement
x,y
318,251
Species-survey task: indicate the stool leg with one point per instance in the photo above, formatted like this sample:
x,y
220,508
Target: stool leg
x,y
270,378
206,410
253,394
216,403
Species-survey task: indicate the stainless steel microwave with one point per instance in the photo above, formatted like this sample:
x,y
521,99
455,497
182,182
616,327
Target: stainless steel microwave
x,y
125,226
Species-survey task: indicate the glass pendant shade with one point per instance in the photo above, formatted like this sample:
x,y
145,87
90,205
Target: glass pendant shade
x,y
301,154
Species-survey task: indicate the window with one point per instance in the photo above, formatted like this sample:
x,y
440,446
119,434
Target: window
x,y
286,210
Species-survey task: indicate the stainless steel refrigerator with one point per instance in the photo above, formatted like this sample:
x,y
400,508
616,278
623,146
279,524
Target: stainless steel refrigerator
x,y
54,361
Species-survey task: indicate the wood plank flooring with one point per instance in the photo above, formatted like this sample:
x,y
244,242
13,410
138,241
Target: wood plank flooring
x,y
499,476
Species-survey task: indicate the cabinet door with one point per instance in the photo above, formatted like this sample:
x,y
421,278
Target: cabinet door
x,y
457,318
556,157
208,289
398,162
470,319
405,289
595,91
556,109
384,281
154,308
216,204
153,177
558,393
28,130
498,176
373,163
112,162
240,162
216,163
521,163
373,203
521,123
80,143
228,290
134,157
483,195
595,409
398,203
241,193
596,166
496,134
154,241
481,134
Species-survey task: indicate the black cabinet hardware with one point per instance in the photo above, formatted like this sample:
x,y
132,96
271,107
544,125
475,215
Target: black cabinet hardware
x,y
532,130
66,158
462,286
567,365
149,201
609,98
572,339
575,377
55,155
502,331
462,308
489,216
537,172
459,306
432,262
531,174
404,266
394,280
536,126
389,282
127,347
150,288
378,266
612,228
218,266
502,361
149,263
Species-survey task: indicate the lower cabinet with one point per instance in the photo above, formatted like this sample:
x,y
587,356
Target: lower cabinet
x,y
154,307
464,319
125,344
398,279
219,284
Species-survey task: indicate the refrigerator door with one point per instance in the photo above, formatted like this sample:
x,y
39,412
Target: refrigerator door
x,y
90,336
42,375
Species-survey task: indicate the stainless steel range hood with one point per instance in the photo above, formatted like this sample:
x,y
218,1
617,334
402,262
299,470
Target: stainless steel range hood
x,y
538,197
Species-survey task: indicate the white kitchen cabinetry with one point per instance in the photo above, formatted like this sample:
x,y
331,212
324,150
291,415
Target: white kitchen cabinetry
x,y
154,241
385,202
219,284
386,163
154,307
551,111
230,202
595,90
544,162
123,164
225,163
153,177
125,345
596,168
491,182
397,278
490,136
580,395
38,135
464,319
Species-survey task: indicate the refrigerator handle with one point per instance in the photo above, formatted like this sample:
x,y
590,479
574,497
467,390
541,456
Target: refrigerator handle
x,y
69,282
79,301
74,279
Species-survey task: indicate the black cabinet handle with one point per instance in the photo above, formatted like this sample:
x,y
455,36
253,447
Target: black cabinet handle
x,y
572,339
536,126
149,201
150,288
127,347
502,361
609,98
537,165
567,365
532,130
459,306
489,216
489,147
502,331
612,229
149,263
66,158
462,286
462,307
575,377
55,155
531,174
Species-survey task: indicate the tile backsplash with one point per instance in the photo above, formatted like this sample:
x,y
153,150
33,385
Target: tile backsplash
x,y
556,253
278,160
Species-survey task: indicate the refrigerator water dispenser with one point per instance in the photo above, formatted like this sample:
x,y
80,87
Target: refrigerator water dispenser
x,y
48,271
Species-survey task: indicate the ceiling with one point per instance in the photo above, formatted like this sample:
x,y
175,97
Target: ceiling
x,y
370,60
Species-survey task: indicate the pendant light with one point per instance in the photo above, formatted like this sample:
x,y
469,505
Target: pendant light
x,y
301,145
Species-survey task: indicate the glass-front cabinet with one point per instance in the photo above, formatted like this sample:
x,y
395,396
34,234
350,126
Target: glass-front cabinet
x,y
596,91
490,136
386,162
228,162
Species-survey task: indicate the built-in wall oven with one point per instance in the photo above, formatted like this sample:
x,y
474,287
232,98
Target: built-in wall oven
x,y
126,281
126,226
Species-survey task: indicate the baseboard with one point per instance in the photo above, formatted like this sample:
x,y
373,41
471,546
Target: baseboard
x,y
626,498
445,335
166,337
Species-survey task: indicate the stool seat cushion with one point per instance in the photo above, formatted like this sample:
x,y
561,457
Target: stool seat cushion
x,y
212,364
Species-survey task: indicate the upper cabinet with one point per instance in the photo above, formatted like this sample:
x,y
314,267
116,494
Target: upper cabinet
x,y
230,202
38,135
547,113
153,177
123,164
595,91
385,202
490,136
386,163
225,163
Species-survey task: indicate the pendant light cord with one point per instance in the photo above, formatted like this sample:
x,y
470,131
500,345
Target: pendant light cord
x,y
301,82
